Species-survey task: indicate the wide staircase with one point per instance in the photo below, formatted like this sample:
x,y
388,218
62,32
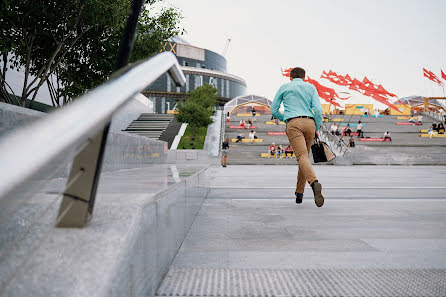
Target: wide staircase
x,y
409,143
157,126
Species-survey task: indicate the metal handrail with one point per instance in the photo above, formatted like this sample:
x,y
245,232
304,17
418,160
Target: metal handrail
x,y
343,150
222,130
435,115
77,123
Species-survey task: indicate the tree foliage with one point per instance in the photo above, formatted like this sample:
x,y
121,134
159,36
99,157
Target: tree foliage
x,y
72,44
198,107
205,95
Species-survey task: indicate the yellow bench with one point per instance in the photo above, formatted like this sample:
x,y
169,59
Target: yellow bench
x,y
272,123
333,120
436,135
248,140
425,131
406,118
265,155
246,114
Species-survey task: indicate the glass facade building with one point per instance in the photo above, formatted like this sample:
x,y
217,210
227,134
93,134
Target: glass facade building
x,y
200,66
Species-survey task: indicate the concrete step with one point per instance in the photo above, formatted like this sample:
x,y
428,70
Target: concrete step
x,y
150,125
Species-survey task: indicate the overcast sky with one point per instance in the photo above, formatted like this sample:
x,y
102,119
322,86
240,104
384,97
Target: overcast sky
x,y
388,41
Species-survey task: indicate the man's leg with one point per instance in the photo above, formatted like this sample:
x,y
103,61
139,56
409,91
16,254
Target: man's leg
x,y
300,176
298,141
300,187
301,134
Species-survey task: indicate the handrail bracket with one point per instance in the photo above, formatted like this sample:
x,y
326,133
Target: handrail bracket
x,y
78,200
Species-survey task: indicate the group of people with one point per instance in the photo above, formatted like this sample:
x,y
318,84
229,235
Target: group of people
x,y
434,128
418,121
338,130
278,151
244,123
439,128
251,136
351,142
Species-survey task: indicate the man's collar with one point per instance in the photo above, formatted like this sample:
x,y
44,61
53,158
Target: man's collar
x,y
297,79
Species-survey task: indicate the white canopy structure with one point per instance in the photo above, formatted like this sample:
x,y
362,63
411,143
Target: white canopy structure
x,y
248,100
418,102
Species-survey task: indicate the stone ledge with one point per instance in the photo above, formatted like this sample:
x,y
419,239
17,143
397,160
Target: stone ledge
x,y
125,250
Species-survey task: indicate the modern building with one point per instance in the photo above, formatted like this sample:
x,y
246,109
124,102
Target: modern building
x,y
200,66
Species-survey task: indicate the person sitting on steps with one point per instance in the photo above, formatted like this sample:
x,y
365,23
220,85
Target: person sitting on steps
x,y
440,128
252,136
240,136
359,130
272,150
387,136
279,151
351,142
348,131
242,123
288,151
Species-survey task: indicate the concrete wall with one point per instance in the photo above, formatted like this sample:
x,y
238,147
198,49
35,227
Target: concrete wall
x,y
126,249
124,150
13,117
191,157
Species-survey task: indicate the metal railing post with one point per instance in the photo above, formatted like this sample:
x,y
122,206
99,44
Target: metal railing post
x,y
79,196
78,200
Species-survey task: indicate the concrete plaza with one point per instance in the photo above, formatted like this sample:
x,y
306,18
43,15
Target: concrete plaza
x,y
381,232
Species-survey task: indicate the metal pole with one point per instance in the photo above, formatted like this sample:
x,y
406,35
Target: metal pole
x,y
125,49
80,192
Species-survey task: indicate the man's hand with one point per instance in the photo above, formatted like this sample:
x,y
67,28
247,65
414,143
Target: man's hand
x,y
316,134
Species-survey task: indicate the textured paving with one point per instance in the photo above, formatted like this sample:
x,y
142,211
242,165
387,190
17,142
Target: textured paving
x,y
304,282
381,232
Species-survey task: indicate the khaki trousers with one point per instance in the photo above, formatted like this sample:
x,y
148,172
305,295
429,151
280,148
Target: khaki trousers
x,y
300,132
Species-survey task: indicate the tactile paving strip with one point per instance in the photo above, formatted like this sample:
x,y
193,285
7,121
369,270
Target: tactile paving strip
x,y
304,282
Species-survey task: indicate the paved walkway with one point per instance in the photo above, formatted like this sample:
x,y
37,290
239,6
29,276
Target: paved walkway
x,y
381,232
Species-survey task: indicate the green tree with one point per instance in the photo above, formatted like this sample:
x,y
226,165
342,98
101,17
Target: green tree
x,y
72,44
206,95
198,107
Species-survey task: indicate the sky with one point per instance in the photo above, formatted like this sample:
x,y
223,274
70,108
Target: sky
x,y
389,41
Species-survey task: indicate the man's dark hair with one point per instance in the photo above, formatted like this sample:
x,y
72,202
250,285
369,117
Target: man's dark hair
x,y
297,72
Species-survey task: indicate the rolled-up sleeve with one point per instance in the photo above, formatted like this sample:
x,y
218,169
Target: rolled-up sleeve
x,y
317,109
276,104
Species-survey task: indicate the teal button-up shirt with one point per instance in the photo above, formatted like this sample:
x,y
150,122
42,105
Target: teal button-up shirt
x,y
299,99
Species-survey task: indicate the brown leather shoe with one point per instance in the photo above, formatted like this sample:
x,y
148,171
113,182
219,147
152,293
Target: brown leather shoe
x,y
317,190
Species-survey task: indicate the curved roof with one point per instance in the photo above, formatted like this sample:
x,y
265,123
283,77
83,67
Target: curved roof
x,y
245,100
418,100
